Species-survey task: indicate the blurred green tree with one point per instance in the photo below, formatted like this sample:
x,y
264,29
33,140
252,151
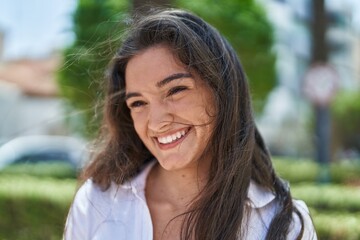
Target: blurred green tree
x,y
80,79
245,25
345,111
97,27
143,5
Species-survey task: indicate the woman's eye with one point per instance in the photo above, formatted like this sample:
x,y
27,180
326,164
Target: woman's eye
x,y
176,90
137,104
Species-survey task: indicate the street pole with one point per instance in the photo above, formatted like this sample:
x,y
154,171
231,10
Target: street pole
x,y
322,115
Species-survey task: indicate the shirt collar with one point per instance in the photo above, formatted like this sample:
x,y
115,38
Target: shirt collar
x,y
139,182
258,196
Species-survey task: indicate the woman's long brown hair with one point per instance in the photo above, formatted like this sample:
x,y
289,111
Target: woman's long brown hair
x,y
238,153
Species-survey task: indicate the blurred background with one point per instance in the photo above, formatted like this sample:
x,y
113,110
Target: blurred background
x,y
302,59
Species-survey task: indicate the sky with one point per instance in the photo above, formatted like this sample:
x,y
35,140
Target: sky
x,y
34,28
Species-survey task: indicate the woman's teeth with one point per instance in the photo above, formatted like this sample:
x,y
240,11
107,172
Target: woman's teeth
x,y
171,138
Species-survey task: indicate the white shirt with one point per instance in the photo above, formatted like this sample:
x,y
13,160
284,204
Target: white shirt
x,y
121,213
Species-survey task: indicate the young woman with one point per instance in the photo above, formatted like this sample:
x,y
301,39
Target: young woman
x,y
182,157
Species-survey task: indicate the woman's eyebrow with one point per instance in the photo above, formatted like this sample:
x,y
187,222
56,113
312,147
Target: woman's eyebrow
x,y
131,94
160,84
172,78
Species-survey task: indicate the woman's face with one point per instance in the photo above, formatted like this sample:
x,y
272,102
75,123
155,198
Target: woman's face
x,y
172,109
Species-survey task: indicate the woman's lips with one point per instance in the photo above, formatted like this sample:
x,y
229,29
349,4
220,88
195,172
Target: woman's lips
x,y
172,140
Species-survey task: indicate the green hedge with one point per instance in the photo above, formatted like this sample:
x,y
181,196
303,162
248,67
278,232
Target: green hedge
x,y
336,225
335,207
33,207
54,170
328,197
304,170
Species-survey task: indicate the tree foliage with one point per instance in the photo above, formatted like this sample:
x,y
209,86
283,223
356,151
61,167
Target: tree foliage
x,y
96,27
81,78
346,120
246,27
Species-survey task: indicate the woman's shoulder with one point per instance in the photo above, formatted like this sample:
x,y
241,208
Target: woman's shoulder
x,y
87,212
94,207
101,198
264,205
91,199
93,192
308,226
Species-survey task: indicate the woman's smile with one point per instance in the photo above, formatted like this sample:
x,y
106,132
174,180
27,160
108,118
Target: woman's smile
x,y
167,141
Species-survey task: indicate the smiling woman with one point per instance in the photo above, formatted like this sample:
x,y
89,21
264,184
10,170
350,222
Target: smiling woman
x,y
183,158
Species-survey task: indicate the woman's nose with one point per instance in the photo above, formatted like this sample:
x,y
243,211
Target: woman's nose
x,y
159,117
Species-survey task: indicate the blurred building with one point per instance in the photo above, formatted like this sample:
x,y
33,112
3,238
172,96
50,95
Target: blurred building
x,y
28,98
286,120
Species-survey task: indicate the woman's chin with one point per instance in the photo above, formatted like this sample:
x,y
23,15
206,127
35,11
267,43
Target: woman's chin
x,y
174,164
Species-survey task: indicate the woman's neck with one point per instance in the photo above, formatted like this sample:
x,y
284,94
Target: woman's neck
x,y
177,188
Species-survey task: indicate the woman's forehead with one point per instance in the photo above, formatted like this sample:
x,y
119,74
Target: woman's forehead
x,y
155,63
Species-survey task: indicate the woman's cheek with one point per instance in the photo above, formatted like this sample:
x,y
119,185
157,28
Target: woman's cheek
x,y
139,120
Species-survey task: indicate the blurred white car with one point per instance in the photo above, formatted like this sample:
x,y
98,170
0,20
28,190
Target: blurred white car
x,y
36,149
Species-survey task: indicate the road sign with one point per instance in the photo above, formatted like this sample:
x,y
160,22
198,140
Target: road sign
x,y
321,83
